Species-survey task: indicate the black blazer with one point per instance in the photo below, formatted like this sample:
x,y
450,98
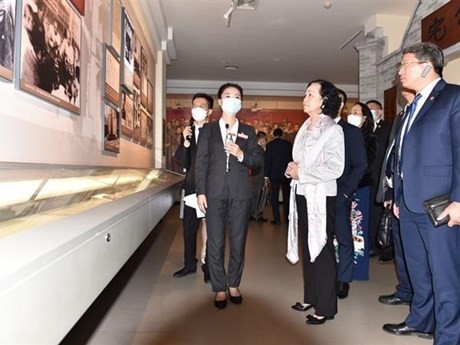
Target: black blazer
x,y
277,157
355,159
185,156
382,133
211,162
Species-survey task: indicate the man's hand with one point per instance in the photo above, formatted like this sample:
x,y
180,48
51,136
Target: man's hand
x,y
233,149
453,211
187,132
202,203
396,210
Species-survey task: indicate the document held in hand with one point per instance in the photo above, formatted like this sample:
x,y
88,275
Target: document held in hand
x,y
192,201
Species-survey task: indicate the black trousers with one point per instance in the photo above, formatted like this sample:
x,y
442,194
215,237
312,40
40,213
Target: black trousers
x,y
286,190
319,276
191,224
225,213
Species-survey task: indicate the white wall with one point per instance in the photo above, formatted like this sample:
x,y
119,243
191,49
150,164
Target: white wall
x,y
33,130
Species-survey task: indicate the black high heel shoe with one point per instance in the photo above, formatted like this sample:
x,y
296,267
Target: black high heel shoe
x,y
235,299
313,320
220,304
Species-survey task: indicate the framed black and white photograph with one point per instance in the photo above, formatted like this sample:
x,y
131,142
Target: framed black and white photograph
x,y
115,25
111,77
137,63
149,132
144,75
111,128
150,97
128,52
144,116
50,50
136,116
127,114
7,24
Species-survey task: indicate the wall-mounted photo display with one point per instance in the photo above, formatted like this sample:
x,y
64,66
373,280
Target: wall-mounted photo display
x,y
48,63
144,75
149,132
111,127
137,63
115,25
150,97
111,75
136,115
128,52
79,5
144,116
127,114
7,24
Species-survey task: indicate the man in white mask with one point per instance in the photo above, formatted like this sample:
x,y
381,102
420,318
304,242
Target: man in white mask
x,y
185,155
382,131
227,149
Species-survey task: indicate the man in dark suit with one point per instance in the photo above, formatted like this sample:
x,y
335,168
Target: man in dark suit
x,y
355,167
258,183
277,157
185,154
227,149
382,131
427,165
403,293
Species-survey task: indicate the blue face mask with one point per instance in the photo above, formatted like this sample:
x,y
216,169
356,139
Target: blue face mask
x,y
231,106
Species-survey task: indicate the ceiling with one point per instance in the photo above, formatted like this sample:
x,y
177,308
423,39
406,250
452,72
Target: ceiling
x,y
283,41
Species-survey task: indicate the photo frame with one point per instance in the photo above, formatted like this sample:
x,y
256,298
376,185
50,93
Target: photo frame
x,y
79,5
144,74
137,63
149,132
136,115
111,75
116,11
128,52
7,27
52,73
111,121
150,97
143,139
127,114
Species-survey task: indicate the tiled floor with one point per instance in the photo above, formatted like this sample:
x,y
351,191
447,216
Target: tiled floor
x,y
145,305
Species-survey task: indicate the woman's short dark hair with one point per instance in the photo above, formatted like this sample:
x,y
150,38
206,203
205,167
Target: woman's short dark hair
x,y
207,97
330,95
429,52
368,125
226,86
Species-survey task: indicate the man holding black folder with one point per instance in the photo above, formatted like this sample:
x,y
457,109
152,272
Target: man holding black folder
x,y
427,165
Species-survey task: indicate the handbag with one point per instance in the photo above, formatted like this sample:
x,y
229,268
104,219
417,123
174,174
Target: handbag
x,y
434,208
384,234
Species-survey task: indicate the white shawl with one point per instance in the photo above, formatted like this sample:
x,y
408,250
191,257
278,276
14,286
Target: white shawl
x,y
314,140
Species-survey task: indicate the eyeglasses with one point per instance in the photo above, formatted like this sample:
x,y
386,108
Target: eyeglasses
x,y
404,65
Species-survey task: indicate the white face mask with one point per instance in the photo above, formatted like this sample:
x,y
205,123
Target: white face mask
x,y
231,106
199,114
354,120
375,116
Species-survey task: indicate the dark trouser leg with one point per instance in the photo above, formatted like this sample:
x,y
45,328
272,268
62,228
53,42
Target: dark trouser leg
x,y
404,288
275,188
191,225
344,239
286,189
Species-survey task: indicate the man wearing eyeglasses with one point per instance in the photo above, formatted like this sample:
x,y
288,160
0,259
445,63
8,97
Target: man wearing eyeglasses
x,y
427,165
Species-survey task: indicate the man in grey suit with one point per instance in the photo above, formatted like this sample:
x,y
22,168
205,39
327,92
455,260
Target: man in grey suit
x,y
226,150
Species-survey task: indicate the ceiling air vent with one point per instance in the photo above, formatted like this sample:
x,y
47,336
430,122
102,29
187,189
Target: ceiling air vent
x,y
246,4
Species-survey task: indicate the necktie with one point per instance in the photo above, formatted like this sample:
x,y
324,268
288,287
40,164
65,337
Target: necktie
x,y
407,124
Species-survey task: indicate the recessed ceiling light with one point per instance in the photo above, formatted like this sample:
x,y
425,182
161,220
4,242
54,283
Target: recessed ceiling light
x,y
231,68
327,5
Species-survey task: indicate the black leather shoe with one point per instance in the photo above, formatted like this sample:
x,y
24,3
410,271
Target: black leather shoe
x,y
403,329
312,320
301,307
342,289
235,299
386,259
183,272
206,274
392,300
275,222
261,220
220,304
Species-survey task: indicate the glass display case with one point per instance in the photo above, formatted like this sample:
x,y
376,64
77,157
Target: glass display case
x,y
36,194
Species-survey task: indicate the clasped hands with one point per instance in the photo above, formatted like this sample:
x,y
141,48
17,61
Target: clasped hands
x,y
292,170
